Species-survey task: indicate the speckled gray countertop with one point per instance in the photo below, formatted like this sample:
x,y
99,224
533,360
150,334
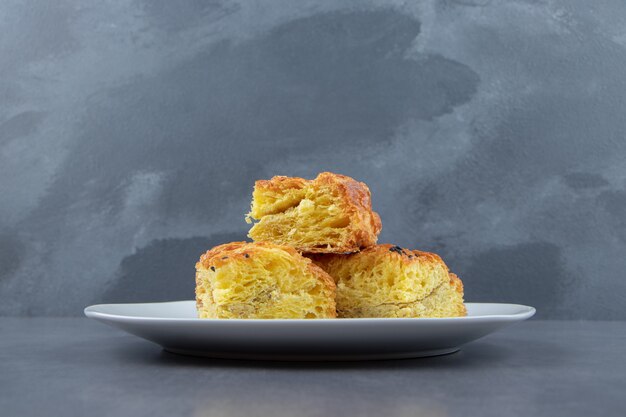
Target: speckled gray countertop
x,y
75,367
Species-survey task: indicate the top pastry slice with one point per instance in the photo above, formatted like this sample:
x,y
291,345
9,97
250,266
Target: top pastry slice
x,y
330,214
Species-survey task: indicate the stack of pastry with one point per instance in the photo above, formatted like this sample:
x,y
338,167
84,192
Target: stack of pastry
x,y
314,255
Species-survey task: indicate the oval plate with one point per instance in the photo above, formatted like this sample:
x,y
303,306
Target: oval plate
x,y
175,327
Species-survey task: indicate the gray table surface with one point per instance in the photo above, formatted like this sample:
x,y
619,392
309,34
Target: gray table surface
x,y
75,367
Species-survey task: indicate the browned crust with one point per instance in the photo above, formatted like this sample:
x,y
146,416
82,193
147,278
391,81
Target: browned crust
x,y
457,285
356,202
279,183
366,223
407,256
222,254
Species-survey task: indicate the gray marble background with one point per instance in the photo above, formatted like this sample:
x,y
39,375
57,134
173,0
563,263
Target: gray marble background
x,y
131,133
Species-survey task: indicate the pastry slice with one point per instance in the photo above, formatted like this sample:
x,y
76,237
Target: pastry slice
x,y
389,281
261,281
330,214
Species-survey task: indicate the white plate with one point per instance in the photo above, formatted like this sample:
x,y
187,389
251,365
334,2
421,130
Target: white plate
x,y
174,326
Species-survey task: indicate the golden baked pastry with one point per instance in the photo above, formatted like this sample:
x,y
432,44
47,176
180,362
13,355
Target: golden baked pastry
x,y
261,281
388,281
330,214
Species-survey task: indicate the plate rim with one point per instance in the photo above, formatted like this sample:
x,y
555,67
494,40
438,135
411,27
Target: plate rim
x,y
92,312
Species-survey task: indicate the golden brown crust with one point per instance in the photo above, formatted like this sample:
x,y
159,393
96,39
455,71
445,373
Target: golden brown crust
x,y
456,283
280,182
353,199
241,257
457,286
221,254
366,223
380,251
